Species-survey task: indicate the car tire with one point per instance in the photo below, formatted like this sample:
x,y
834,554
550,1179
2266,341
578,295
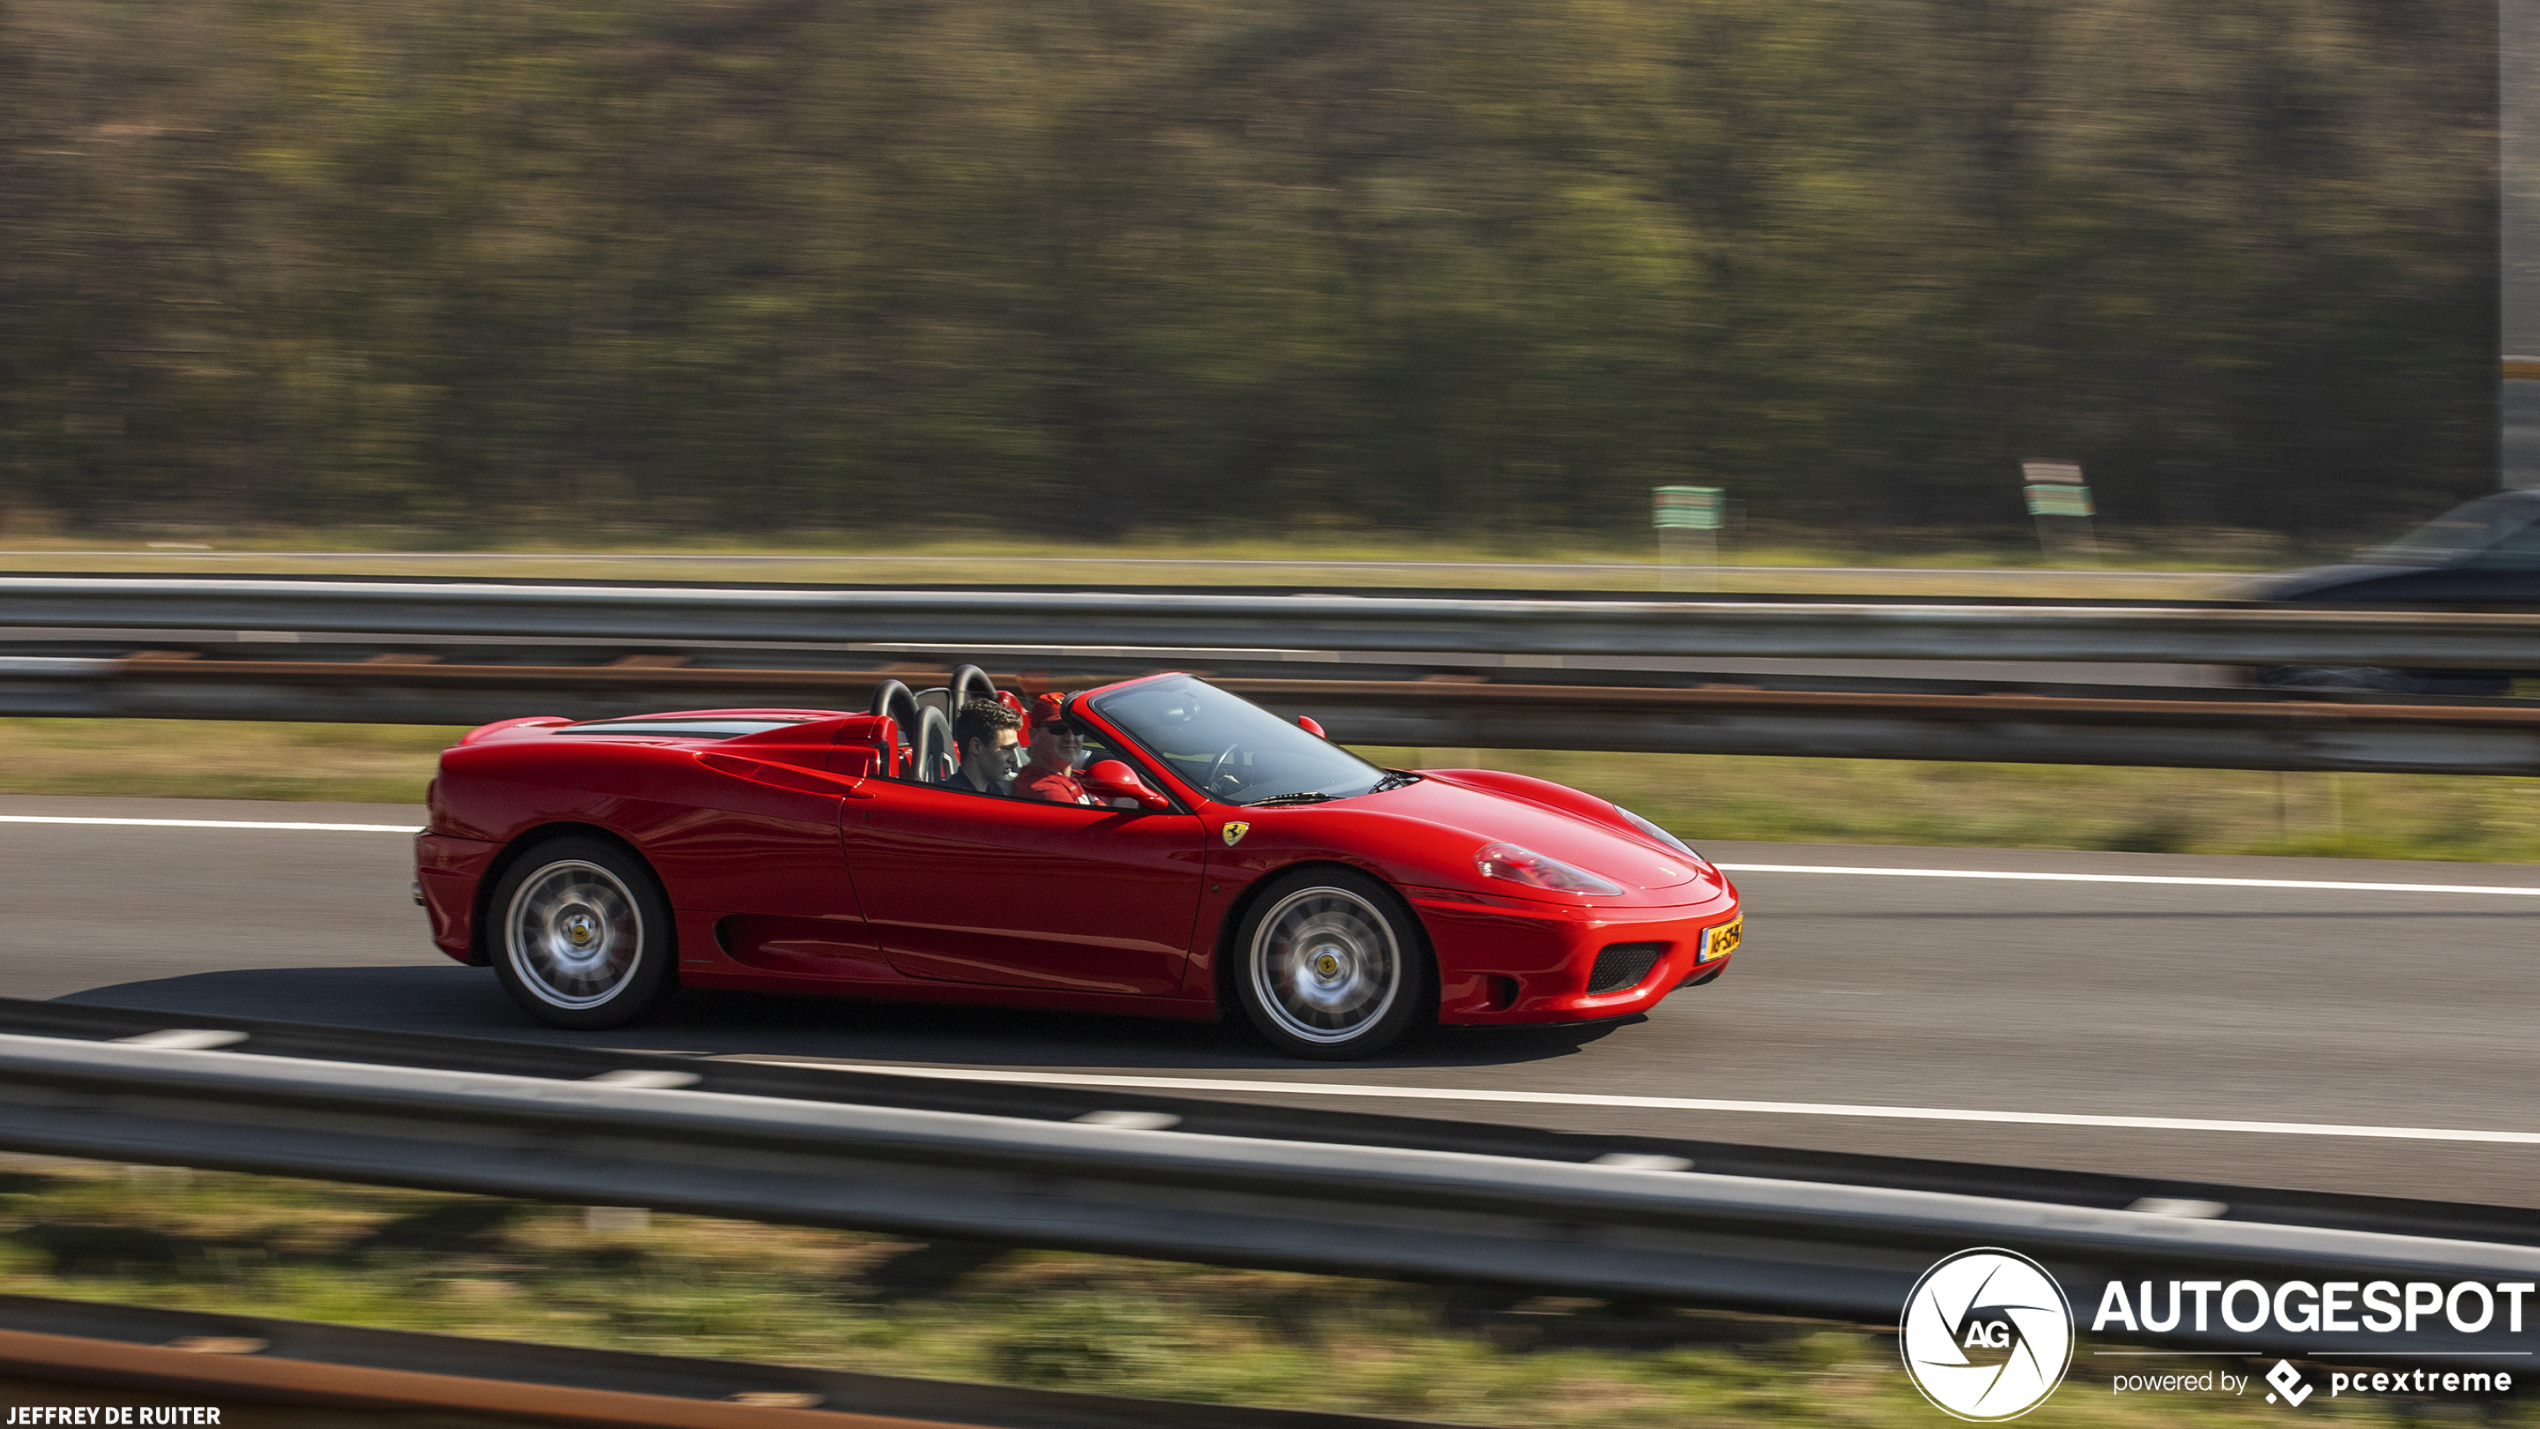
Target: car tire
x,y
1331,964
579,933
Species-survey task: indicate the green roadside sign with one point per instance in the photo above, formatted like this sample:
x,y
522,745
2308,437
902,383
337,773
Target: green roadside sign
x,y
1686,508
2055,488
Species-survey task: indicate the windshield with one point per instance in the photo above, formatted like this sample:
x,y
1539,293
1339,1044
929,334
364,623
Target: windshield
x,y
2492,528
1237,751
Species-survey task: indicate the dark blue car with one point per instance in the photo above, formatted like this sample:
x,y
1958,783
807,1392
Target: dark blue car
x,y
2485,553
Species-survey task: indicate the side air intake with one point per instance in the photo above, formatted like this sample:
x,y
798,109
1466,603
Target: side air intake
x,y
1623,965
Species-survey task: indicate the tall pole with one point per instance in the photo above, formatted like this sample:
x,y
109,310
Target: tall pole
x,y
2518,240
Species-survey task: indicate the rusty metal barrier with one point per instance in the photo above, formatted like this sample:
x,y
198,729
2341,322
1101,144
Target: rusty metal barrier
x,y
228,1360
1509,623
2231,729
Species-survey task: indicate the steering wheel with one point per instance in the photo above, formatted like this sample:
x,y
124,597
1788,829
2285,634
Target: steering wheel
x,y
898,702
1222,780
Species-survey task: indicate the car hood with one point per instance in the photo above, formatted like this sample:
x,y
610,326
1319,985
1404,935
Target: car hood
x,y
2304,584
1500,818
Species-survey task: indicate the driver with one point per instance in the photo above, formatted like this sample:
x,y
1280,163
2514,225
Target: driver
x,y
986,733
1051,774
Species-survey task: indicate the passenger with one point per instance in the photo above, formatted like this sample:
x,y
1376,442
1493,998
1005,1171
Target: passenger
x,y
1051,774
987,734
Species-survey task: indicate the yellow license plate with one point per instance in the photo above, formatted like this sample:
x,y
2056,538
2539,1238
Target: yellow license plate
x,y
1721,941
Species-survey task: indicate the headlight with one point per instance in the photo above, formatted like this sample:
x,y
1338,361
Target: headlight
x,y
1521,865
1655,832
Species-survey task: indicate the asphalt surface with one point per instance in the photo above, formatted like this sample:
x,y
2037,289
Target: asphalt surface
x,y
2401,1013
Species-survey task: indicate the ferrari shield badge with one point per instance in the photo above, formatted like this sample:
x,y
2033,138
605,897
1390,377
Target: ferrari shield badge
x,y
1234,833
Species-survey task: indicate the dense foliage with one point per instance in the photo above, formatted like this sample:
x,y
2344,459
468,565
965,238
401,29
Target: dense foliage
x,y
1092,266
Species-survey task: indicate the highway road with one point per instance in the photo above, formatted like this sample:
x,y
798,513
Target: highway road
x,y
2336,1037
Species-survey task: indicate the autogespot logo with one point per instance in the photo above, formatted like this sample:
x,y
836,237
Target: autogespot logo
x,y
1987,1334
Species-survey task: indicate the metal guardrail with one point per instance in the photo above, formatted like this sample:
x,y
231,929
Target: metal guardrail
x,y
785,1079
1845,1252
2237,635
2220,729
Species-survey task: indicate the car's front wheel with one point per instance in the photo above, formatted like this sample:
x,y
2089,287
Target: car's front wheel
x,y
1332,965
581,934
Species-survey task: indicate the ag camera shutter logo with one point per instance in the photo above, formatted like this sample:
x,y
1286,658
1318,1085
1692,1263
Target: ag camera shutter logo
x,y
1987,1335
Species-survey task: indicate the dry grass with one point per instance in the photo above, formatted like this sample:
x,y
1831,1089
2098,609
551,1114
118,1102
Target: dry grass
x,y
2175,569
221,759
2226,811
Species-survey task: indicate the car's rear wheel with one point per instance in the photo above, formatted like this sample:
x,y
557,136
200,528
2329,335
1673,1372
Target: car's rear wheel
x,y
1332,965
582,934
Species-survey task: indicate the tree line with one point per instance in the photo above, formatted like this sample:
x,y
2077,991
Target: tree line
x,y
1095,267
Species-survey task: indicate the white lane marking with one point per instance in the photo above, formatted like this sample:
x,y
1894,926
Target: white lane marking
x,y
1470,1094
2134,878
213,824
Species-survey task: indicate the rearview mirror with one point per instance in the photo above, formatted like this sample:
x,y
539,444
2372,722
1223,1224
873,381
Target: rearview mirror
x,y
1110,779
1308,724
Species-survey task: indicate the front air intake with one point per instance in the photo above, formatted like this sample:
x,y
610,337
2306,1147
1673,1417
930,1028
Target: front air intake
x,y
1623,965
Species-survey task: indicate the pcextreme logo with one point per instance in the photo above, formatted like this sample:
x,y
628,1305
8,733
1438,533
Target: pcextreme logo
x,y
2288,1382
1987,1335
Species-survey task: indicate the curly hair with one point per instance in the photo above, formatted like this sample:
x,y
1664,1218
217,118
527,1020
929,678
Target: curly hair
x,y
981,719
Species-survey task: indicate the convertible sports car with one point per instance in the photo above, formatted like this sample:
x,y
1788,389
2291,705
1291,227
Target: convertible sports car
x,y
1216,855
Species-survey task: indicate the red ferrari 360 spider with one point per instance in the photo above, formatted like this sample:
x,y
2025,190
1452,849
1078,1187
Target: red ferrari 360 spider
x,y
1170,850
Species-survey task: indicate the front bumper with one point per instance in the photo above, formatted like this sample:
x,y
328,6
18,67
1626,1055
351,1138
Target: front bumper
x,y
1509,960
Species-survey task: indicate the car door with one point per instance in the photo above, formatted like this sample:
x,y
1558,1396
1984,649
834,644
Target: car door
x,y
969,887
751,853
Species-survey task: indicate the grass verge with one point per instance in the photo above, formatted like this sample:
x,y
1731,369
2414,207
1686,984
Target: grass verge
x,y
1702,797
2168,566
221,759
2208,811
691,1286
